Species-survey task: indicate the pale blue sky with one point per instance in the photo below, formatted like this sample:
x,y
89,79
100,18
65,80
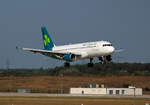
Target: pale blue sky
x,y
125,23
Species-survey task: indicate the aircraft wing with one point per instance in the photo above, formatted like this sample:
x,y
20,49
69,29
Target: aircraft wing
x,y
47,52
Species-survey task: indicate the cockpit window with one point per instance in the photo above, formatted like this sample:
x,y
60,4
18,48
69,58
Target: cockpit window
x,y
107,45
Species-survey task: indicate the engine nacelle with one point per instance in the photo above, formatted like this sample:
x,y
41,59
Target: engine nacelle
x,y
69,57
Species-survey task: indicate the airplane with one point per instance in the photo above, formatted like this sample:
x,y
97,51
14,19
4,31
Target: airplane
x,y
103,50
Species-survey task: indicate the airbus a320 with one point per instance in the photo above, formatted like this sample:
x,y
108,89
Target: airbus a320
x,y
103,50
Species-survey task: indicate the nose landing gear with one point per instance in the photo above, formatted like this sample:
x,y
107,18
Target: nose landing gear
x,y
91,63
105,59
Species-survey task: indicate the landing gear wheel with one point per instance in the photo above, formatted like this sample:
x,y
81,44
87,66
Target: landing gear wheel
x,y
90,64
66,64
102,60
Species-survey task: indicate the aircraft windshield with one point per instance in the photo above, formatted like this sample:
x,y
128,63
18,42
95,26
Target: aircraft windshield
x,y
107,45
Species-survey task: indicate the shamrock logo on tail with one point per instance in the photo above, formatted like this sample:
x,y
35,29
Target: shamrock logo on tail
x,y
46,40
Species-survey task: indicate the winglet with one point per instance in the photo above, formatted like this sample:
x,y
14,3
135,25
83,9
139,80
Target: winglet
x,y
17,48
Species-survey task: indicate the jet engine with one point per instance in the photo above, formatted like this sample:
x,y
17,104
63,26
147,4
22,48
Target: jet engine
x,y
69,57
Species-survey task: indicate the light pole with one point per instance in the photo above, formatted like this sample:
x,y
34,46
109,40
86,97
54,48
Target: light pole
x,y
62,77
134,88
134,96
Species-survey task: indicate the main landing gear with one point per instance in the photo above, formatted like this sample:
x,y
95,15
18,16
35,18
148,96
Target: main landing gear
x,y
66,64
102,59
91,63
105,59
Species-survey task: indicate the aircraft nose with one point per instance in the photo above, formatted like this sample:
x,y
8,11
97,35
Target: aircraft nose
x,y
112,49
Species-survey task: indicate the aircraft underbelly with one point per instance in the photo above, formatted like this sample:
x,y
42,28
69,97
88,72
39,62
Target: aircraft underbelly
x,y
88,53
85,53
95,53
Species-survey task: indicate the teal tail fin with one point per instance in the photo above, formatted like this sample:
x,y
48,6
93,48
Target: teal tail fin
x,y
48,43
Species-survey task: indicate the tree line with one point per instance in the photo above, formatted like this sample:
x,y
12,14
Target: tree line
x,y
98,69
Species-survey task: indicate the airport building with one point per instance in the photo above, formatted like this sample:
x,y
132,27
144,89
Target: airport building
x,y
23,90
106,91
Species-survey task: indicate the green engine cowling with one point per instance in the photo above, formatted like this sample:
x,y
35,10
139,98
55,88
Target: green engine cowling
x,y
69,57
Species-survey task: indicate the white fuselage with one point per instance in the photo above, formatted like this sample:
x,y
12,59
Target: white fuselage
x,y
87,50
